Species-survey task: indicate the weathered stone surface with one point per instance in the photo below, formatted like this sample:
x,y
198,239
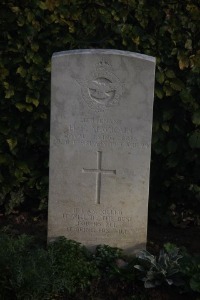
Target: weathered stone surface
x,y
101,120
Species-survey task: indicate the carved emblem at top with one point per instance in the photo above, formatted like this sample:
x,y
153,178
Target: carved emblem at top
x,y
102,89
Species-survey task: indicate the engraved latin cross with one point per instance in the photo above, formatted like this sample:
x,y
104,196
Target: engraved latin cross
x,y
98,172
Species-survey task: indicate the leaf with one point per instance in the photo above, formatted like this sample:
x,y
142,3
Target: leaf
x,y
43,116
195,61
169,281
51,4
136,40
165,127
42,5
194,11
35,102
34,47
177,84
21,107
187,98
30,18
6,85
168,90
183,63
140,268
194,139
9,94
12,143
196,118
32,100
170,74
188,44
171,248
15,9
159,93
174,51
21,71
160,77
48,67
29,108
23,167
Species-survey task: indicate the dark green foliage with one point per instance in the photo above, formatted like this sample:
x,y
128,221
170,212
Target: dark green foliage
x,y
11,253
31,31
106,257
190,267
66,270
71,266
112,263
31,272
164,269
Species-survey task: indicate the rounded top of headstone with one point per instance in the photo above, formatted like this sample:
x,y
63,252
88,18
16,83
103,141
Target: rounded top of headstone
x,y
105,51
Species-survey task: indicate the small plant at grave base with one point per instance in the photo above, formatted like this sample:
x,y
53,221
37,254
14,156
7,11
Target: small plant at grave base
x,y
29,272
72,266
165,269
114,266
190,268
106,258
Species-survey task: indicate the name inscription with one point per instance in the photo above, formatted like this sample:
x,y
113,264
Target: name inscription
x,y
100,133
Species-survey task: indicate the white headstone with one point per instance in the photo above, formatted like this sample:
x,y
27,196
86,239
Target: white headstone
x,y
100,146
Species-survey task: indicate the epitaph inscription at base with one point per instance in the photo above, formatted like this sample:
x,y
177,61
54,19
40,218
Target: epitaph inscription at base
x,y
100,145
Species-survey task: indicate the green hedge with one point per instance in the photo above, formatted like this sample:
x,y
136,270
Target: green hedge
x,y
32,30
